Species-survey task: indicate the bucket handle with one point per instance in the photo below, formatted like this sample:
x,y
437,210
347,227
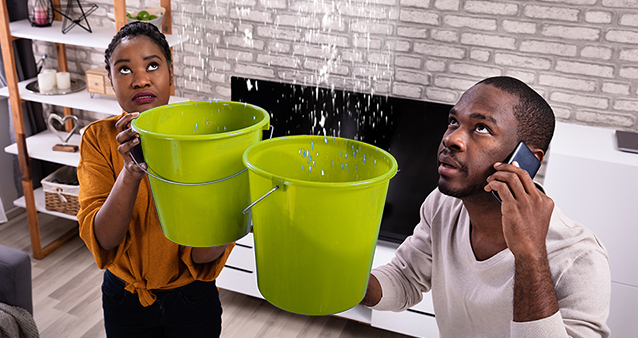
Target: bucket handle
x,y
272,130
247,210
182,183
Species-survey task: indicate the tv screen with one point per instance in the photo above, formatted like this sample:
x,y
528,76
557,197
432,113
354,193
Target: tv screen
x,y
410,130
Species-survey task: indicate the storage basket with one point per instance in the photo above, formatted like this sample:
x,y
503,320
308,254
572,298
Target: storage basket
x,y
61,190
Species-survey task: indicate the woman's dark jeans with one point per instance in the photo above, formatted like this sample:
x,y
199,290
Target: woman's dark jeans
x,y
192,310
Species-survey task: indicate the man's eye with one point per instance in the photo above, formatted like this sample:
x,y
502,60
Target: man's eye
x,y
453,122
482,129
153,66
125,70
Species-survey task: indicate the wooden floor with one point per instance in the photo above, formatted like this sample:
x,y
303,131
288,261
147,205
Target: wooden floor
x,y
67,297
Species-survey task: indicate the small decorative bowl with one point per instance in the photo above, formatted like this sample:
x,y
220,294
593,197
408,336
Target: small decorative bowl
x,y
157,11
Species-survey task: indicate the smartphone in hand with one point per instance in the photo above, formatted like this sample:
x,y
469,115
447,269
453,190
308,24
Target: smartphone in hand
x,y
525,159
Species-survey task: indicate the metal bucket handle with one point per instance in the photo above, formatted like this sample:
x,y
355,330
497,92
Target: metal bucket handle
x,y
247,210
272,130
182,183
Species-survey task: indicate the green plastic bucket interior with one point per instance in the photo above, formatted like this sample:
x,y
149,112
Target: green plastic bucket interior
x,y
199,142
316,234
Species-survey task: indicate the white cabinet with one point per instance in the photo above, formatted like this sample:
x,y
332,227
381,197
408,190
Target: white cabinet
x,y
597,185
240,276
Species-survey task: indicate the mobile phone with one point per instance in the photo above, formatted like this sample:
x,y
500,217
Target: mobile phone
x,y
137,153
526,159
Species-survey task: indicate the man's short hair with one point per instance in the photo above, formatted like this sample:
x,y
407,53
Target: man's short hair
x,y
535,117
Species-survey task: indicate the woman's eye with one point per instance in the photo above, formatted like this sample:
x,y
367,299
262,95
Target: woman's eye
x,y
125,70
152,66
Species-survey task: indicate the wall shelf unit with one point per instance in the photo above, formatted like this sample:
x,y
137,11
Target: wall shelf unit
x,y
100,38
79,100
39,146
40,205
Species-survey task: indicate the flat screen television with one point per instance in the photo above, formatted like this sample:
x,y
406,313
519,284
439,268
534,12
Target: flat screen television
x,y
410,130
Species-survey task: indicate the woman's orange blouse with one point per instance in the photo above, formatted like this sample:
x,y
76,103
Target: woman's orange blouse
x,y
146,260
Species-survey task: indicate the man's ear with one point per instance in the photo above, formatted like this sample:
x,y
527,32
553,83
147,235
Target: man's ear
x,y
539,153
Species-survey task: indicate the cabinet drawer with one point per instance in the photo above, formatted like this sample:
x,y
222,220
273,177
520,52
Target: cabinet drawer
x,y
408,322
95,84
239,281
247,240
242,257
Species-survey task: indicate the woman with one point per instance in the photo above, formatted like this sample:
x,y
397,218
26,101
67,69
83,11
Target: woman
x,y
152,287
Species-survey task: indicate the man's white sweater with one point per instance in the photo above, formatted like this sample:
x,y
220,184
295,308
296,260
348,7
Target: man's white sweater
x,y
475,298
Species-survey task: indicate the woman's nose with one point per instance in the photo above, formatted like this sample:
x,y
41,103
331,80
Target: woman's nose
x,y
455,139
141,80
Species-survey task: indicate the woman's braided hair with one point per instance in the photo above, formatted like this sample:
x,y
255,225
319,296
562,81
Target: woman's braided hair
x,y
138,28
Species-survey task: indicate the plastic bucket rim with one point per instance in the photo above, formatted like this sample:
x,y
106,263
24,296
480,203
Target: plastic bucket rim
x,y
265,120
315,184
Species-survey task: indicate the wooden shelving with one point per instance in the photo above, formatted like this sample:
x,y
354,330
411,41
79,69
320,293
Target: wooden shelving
x,y
39,146
100,38
40,205
79,100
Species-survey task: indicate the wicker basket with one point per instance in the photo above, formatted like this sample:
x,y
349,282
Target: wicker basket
x,y
61,190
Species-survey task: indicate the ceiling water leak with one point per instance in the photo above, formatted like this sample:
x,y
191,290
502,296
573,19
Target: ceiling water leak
x,y
332,48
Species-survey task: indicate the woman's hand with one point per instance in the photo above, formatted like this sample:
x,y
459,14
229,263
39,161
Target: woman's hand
x,y
206,255
112,220
128,139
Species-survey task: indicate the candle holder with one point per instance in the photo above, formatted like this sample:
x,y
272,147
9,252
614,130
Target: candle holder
x,y
40,13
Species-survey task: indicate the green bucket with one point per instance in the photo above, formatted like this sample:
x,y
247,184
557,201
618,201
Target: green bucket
x,y
193,151
317,210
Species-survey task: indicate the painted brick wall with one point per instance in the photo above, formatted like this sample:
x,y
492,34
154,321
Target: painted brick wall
x,y
581,55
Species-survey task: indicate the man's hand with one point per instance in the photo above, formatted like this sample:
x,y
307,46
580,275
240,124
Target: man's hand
x,y
526,214
373,292
526,210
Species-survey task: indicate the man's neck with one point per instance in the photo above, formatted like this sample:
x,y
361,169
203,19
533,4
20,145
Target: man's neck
x,y
486,229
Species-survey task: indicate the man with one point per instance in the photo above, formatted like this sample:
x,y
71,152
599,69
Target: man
x,y
519,268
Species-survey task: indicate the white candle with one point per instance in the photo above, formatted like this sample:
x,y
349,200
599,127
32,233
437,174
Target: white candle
x,y
48,70
64,80
46,82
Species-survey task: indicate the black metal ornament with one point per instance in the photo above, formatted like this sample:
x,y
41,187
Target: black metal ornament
x,y
68,22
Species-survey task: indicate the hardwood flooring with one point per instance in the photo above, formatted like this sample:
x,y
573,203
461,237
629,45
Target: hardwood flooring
x,y
67,298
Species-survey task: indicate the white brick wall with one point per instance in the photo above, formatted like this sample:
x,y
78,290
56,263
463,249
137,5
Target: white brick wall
x,y
581,55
